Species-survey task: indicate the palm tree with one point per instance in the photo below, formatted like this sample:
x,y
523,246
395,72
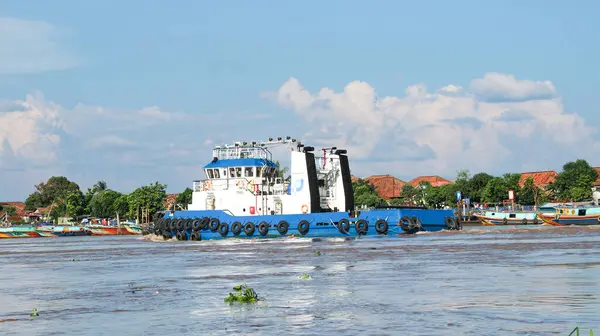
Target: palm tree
x,y
100,186
280,172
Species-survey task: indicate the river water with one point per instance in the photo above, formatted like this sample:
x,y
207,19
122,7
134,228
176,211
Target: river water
x,y
500,281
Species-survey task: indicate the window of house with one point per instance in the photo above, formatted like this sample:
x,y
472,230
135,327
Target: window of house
x,y
249,171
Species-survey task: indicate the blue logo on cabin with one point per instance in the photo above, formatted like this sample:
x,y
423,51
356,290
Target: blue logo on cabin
x,y
298,185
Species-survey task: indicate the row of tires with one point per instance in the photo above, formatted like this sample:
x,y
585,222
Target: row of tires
x,y
165,226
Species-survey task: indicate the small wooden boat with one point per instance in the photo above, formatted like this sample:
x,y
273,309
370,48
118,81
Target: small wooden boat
x,y
572,216
106,230
509,218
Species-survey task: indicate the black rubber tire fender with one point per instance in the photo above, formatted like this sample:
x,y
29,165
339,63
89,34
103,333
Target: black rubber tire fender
x,y
283,227
417,225
223,229
361,226
188,224
343,225
236,228
406,223
204,223
196,224
263,228
249,229
381,226
214,224
303,227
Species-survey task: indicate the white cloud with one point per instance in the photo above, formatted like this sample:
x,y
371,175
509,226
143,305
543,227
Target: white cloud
x,y
31,47
502,125
500,87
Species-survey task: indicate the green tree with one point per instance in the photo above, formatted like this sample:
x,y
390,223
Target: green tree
x,y
463,177
121,206
409,193
365,194
281,172
495,190
75,204
476,186
149,197
102,203
10,210
184,198
96,188
574,182
56,189
531,194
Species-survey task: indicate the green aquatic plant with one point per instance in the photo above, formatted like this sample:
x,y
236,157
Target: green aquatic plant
x,y
305,276
34,313
318,253
243,294
576,332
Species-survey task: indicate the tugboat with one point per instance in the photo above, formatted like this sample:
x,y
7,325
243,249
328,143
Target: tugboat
x,y
242,197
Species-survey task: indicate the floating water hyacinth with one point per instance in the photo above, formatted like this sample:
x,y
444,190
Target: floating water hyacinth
x,y
575,332
243,294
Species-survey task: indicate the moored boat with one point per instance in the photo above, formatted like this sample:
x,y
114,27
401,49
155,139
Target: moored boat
x,y
572,216
243,197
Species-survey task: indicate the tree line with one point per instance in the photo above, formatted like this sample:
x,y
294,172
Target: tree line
x,y
574,183
64,198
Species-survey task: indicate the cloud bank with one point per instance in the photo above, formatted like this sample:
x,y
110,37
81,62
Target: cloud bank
x,y
498,124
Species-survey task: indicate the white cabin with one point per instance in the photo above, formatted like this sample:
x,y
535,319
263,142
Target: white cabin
x,y
241,180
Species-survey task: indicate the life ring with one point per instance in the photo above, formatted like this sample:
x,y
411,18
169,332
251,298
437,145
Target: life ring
x,y
361,226
381,226
223,229
283,227
207,185
344,225
304,208
249,229
303,227
263,228
214,224
236,228
240,184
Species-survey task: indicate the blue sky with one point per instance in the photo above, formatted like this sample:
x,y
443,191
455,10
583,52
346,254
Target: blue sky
x,y
136,91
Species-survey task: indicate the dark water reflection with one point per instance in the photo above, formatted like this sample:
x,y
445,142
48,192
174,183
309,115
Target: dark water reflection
x,y
500,281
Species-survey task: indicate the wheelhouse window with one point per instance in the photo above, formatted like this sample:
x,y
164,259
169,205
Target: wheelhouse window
x,y
238,171
217,174
249,171
209,173
231,172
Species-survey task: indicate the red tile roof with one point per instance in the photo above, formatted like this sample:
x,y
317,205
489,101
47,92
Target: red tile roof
x,y
597,183
20,206
540,179
387,186
436,181
354,178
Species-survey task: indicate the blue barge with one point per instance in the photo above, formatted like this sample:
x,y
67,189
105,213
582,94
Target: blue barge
x,y
243,196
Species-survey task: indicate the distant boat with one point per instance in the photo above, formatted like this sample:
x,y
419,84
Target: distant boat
x,y
517,217
572,216
65,231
